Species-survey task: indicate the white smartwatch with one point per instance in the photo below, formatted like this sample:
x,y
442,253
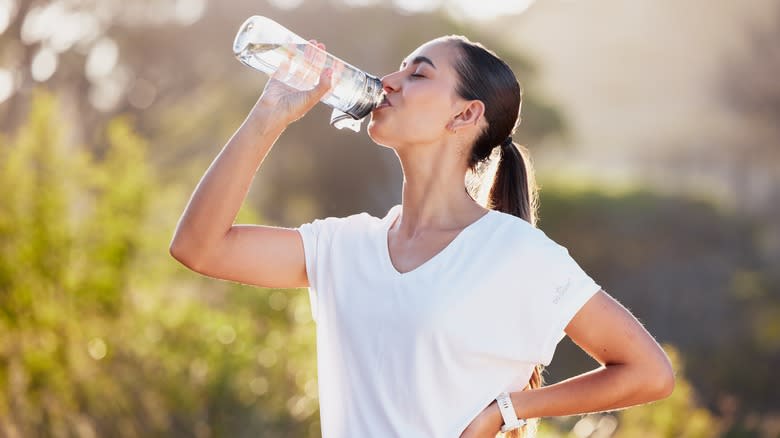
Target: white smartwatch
x,y
511,422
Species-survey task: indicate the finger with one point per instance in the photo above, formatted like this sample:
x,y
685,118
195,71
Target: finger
x,y
282,71
311,54
309,50
325,83
323,86
314,52
319,58
338,69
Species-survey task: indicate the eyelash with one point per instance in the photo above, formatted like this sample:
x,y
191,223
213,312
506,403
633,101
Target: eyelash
x,y
415,75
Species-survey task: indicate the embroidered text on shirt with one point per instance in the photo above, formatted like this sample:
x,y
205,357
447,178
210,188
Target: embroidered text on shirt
x,y
560,291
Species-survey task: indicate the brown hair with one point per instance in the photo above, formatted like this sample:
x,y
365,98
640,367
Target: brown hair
x,y
484,76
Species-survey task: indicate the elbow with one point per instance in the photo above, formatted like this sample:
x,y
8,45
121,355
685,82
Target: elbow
x,y
661,381
664,386
176,251
182,255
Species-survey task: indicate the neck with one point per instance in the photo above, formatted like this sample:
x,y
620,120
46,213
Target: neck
x,y
434,192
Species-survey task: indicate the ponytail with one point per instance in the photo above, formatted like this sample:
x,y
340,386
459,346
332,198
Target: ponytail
x,y
514,188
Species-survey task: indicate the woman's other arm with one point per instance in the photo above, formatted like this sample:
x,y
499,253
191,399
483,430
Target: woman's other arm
x,y
634,368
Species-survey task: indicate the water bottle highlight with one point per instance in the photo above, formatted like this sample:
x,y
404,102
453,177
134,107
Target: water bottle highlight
x,y
264,44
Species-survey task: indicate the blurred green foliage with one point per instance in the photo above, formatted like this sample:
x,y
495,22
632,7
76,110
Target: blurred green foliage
x,y
103,336
693,273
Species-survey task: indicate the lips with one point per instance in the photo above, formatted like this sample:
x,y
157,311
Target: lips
x,y
384,103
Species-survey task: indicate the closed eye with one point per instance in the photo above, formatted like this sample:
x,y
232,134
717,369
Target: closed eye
x,y
415,75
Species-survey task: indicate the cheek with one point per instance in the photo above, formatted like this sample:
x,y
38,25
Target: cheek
x,y
424,126
422,117
426,114
406,126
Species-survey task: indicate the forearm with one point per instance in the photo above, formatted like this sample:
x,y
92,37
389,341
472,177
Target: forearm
x,y
603,389
215,202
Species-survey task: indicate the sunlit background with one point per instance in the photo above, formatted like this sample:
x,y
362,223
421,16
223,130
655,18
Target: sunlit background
x,y
653,126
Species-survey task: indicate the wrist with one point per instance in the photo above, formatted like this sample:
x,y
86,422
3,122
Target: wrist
x,y
494,417
267,121
520,403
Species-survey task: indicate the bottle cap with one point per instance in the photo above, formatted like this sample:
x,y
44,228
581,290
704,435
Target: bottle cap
x,y
340,120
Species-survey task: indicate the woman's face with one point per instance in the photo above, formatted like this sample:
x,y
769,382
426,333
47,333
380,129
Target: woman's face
x,y
421,96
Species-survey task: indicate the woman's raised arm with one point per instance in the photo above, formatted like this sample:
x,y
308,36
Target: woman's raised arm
x,y
206,240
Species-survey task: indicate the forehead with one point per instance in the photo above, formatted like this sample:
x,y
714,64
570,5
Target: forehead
x,y
440,53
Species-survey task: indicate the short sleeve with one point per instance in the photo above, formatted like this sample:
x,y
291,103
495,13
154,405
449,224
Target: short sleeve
x,y
317,238
560,289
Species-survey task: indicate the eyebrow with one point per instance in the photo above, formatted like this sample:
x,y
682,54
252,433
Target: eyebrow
x,y
418,60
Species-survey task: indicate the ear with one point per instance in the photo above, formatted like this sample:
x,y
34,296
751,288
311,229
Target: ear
x,y
470,115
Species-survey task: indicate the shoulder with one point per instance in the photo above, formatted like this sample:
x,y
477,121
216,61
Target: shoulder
x,y
517,239
516,231
337,224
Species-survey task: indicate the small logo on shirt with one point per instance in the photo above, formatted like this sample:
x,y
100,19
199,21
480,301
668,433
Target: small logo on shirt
x,y
560,291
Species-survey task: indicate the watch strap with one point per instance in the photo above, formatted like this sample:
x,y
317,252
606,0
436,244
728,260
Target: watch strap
x,y
507,410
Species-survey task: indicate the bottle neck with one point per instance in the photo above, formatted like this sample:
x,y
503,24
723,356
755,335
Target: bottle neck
x,y
370,98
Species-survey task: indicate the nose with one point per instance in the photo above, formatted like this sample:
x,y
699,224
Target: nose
x,y
389,83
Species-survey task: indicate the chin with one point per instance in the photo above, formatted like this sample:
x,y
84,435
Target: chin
x,y
375,132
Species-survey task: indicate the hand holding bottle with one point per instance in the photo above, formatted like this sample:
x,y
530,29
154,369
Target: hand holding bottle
x,y
266,45
286,104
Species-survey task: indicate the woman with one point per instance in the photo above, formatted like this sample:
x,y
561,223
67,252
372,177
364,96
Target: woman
x,y
427,316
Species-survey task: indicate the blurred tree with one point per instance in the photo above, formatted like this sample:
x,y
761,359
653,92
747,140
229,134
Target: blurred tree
x,y
102,334
72,46
749,87
693,274
165,63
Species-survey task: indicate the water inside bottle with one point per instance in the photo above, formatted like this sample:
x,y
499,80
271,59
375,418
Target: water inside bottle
x,y
353,92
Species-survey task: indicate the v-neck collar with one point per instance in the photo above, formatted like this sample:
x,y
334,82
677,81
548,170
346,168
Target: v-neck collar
x,y
390,218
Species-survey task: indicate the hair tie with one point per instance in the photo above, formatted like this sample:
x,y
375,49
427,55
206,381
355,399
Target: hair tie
x,y
507,143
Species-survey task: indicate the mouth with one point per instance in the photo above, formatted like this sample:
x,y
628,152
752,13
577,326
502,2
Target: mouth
x,y
383,103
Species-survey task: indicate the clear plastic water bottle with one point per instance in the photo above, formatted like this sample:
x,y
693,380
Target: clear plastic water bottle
x,y
264,44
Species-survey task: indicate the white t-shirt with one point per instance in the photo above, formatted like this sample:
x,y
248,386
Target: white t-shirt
x,y
420,354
